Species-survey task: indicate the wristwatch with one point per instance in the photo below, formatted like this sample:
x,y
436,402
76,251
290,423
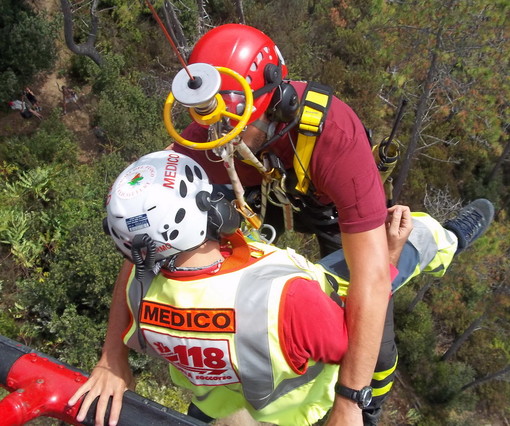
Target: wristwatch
x,y
362,397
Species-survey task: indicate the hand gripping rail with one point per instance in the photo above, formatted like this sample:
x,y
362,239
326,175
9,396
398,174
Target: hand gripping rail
x,y
40,386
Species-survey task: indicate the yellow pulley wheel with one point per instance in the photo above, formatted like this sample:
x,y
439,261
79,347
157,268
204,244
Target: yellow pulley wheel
x,y
200,99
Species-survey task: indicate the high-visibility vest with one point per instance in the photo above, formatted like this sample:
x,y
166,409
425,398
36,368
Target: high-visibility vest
x,y
221,337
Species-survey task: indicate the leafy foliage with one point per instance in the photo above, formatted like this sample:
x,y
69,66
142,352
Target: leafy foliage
x,y
27,46
439,54
70,302
52,143
130,119
372,53
416,335
153,383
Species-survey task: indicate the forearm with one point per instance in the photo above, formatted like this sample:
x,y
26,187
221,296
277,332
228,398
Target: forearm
x,y
365,323
112,374
118,319
366,305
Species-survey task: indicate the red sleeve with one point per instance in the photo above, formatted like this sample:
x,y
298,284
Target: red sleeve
x,y
312,325
393,272
344,171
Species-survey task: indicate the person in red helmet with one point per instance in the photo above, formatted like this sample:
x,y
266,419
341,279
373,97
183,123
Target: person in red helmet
x,y
331,185
251,54
343,193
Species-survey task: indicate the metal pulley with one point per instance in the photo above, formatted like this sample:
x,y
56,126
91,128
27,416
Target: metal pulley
x,y
200,95
200,91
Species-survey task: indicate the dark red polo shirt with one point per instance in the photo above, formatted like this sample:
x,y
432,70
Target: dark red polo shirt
x,y
342,167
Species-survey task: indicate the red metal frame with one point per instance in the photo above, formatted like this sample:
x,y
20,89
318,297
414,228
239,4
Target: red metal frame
x,y
39,387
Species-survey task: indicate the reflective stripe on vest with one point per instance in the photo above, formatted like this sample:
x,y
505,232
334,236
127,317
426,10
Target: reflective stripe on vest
x,y
254,355
255,292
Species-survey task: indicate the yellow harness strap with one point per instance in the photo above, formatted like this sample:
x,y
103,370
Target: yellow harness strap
x,y
314,108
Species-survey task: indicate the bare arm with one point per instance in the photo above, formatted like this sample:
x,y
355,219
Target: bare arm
x,y
112,375
367,300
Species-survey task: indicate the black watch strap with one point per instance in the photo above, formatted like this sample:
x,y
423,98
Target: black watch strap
x,y
362,397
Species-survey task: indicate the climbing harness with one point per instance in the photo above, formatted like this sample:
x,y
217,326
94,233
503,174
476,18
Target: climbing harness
x,y
315,106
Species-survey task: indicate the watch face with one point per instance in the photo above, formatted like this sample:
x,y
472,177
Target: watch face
x,y
365,396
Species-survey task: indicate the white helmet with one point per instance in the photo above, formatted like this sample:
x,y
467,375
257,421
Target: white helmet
x,y
165,196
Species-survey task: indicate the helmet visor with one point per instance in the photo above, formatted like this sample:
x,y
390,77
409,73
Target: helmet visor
x,y
234,101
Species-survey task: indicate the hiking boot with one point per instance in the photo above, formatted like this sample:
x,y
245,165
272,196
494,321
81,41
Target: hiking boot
x,y
471,222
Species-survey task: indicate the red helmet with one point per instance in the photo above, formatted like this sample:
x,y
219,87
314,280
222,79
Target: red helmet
x,y
250,53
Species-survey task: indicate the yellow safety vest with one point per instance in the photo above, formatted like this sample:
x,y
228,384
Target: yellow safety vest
x,y
221,337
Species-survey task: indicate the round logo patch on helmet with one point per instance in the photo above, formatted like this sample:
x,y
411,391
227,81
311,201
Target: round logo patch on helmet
x,y
135,181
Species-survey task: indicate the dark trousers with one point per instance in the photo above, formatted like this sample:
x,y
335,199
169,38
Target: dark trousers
x,y
386,362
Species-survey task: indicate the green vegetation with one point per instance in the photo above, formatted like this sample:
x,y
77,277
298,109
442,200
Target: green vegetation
x,y
27,46
58,267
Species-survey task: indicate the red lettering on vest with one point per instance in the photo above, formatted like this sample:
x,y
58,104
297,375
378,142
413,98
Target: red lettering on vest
x,y
203,320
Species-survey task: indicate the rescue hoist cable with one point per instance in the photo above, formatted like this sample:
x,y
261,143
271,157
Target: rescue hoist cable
x,y
169,38
199,92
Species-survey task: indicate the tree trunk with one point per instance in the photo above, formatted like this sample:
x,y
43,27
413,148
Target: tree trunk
x,y
240,11
88,48
415,133
201,17
485,379
498,164
463,337
420,295
174,27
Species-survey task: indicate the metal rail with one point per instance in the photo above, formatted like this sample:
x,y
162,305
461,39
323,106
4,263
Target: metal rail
x,y
40,386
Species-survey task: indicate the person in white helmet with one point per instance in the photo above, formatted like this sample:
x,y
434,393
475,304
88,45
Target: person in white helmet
x,y
242,324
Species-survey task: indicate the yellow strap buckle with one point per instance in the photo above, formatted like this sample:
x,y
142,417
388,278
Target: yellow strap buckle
x,y
315,106
250,216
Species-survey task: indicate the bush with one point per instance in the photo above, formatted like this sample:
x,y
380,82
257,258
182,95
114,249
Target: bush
x,y
81,69
131,120
108,74
8,327
444,381
27,46
153,384
82,273
416,336
76,339
52,143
